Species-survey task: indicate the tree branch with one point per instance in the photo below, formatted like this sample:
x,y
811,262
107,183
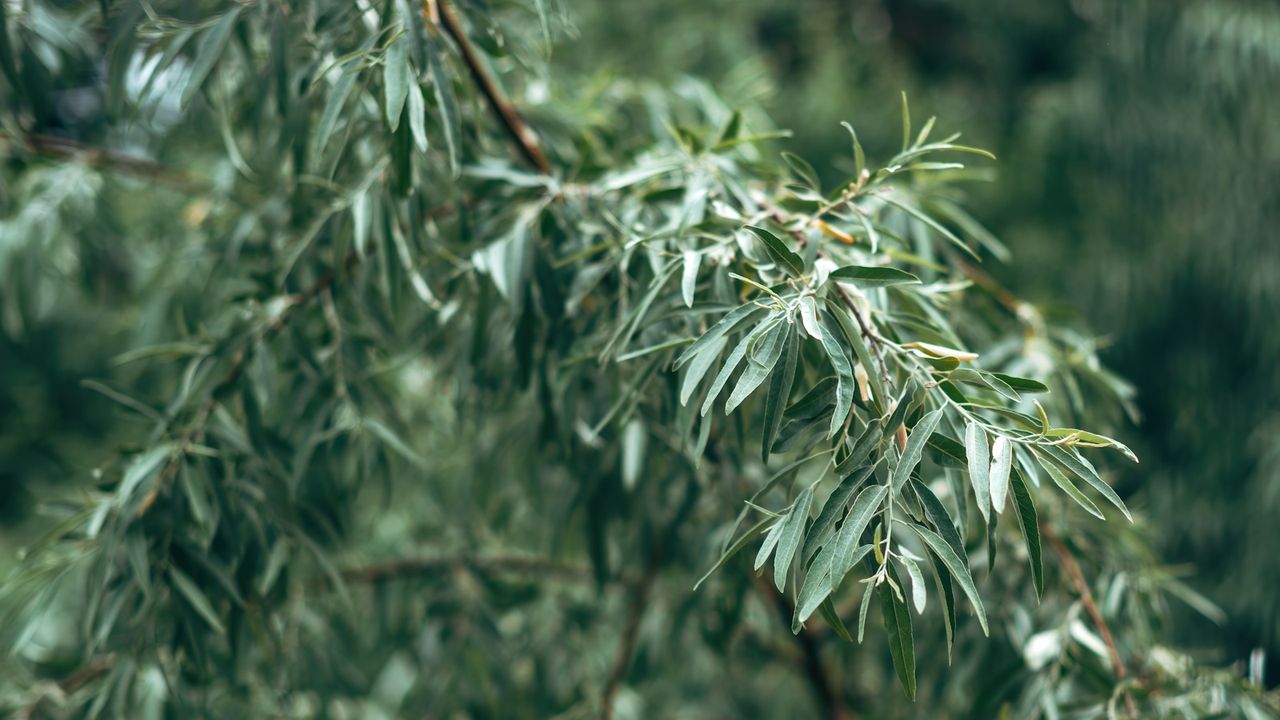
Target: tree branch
x,y
1086,598
404,568
815,672
439,13
69,149
627,645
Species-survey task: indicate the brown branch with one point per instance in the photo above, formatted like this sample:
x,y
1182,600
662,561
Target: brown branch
x,y
93,669
68,149
640,592
815,672
1086,598
439,13
404,568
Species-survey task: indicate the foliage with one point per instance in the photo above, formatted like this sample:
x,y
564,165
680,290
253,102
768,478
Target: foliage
x,y
423,412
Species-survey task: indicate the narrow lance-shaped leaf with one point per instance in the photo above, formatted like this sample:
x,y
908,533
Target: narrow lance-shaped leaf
x,y
789,538
919,594
958,567
786,258
730,364
447,101
1029,523
760,364
395,80
1001,462
212,45
702,362
736,547
873,277
845,381
689,276
975,445
779,391
855,524
862,448
823,530
897,623
809,317
728,323
915,448
196,599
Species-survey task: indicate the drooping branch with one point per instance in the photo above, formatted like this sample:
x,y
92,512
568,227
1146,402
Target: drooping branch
x,y
69,149
406,568
1081,586
439,13
824,687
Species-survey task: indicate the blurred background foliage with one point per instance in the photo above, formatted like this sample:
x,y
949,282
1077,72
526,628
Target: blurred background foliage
x,y
1139,156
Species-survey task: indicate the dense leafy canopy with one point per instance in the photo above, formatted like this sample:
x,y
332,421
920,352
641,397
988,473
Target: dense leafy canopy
x,y
426,411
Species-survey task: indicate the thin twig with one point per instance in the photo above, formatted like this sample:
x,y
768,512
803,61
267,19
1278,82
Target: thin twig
x,y
833,706
640,592
404,568
1086,598
438,11
69,149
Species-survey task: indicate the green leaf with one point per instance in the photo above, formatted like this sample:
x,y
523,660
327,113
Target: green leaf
x,y
1029,523
731,128
823,528
784,256
859,157
689,278
143,467
868,441
447,102
634,440
760,363
728,323
418,118
828,610
1001,463
915,448
919,594
779,392
897,623
845,381
332,110
958,567
1064,483
802,170
1071,461
702,362
816,587
770,542
212,45
1084,438
809,317
730,364
855,524
196,599
975,441
815,401
938,516
862,609
934,225
790,536
393,441
736,547
395,80
1022,384
872,276
906,134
